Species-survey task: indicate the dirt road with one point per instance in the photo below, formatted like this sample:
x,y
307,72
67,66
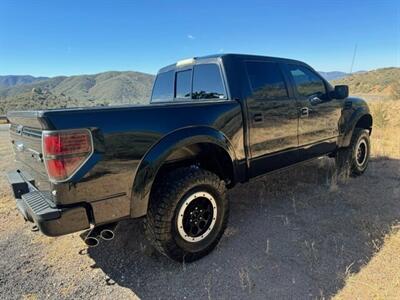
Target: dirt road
x,y
296,234
4,127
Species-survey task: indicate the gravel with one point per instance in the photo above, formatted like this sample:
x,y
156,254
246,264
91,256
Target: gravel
x,y
291,234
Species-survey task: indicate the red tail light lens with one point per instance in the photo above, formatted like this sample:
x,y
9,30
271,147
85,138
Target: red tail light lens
x,y
65,152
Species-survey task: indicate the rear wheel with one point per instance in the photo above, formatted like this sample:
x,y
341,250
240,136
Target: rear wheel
x,y
354,159
188,214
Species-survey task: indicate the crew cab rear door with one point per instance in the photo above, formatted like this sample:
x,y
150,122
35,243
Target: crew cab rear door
x,y
272,118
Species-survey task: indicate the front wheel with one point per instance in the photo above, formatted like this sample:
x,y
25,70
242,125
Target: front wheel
x,y
188,214
354,159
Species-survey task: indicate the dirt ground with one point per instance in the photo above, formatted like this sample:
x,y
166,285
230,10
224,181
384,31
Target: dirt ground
x,y
296,234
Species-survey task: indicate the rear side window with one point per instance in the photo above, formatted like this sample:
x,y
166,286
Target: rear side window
x,y
307,82
163,89
183,84
207,82
266,80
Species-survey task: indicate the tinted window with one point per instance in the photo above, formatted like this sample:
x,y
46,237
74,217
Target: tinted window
x,y
307,82
183,84
266,80
207,82
163,87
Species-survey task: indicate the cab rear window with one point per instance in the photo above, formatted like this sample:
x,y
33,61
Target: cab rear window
x,y
202,81
207,82
163,89
183,84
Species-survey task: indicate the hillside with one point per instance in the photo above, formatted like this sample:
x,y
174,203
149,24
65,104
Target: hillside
x,y
333,75
383,82
108,88
13,80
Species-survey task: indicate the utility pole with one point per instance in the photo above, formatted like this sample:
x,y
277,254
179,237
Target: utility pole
x,y
354,58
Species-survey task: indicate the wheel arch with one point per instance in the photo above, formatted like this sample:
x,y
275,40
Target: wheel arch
x,y
177,147
360,119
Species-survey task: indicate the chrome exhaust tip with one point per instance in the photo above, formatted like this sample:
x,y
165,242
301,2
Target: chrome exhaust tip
x,y
107,234
92,241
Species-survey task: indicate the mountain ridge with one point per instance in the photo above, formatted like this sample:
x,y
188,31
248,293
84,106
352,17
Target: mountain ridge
x,y
106,88
332,75
130,87
14,80
8,81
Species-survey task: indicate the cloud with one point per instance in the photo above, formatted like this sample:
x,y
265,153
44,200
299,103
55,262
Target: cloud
x,y
190,37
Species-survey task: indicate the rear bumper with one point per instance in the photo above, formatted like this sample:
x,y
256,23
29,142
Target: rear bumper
x,y
36,206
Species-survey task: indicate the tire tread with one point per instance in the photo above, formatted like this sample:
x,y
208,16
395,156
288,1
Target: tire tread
x,y
162,205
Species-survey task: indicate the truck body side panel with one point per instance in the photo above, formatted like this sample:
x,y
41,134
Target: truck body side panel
x,y
123,136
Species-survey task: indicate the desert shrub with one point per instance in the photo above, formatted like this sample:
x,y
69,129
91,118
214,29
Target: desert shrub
x,y
385,137
396,91
380,114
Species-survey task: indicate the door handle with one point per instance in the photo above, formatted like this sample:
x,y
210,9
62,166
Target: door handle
x,y
304,111
258,118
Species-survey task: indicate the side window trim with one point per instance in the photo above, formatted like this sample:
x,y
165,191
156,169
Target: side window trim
x,y
288,80
293,84
221,75
224,79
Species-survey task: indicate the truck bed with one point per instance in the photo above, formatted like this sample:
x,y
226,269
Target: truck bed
x,y
122,135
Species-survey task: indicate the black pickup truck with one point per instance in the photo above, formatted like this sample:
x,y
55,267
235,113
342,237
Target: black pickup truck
x,y
213,122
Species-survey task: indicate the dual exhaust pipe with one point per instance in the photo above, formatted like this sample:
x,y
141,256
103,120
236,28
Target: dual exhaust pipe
x,y
105,232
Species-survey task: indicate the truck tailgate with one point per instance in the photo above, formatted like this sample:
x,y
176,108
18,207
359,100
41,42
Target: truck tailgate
x,y
26,138
27,145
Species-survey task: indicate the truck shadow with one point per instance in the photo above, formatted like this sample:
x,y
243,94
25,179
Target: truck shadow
x,y
293,234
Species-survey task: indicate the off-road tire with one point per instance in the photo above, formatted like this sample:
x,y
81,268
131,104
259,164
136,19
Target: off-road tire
x,y
347,160
167,200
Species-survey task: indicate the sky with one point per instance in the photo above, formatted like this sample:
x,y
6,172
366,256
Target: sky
x,y
49,38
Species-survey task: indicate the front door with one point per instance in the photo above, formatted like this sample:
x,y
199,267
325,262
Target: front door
x,y
272,117
318,114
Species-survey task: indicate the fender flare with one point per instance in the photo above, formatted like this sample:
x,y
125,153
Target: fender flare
x,y
350,125
156,156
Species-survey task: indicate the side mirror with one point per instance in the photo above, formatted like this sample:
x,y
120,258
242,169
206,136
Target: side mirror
x,y
341,91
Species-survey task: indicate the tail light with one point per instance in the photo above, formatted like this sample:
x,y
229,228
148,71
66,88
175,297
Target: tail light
x,y
65,152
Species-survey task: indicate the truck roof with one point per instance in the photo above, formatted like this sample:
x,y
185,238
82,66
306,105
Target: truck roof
x,y
233,57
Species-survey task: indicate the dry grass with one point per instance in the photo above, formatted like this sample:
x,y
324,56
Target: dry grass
x,y
380,82
380,277
386,129
9,215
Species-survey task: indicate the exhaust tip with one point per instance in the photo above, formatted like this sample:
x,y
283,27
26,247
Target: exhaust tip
x,y
107,234
91,241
